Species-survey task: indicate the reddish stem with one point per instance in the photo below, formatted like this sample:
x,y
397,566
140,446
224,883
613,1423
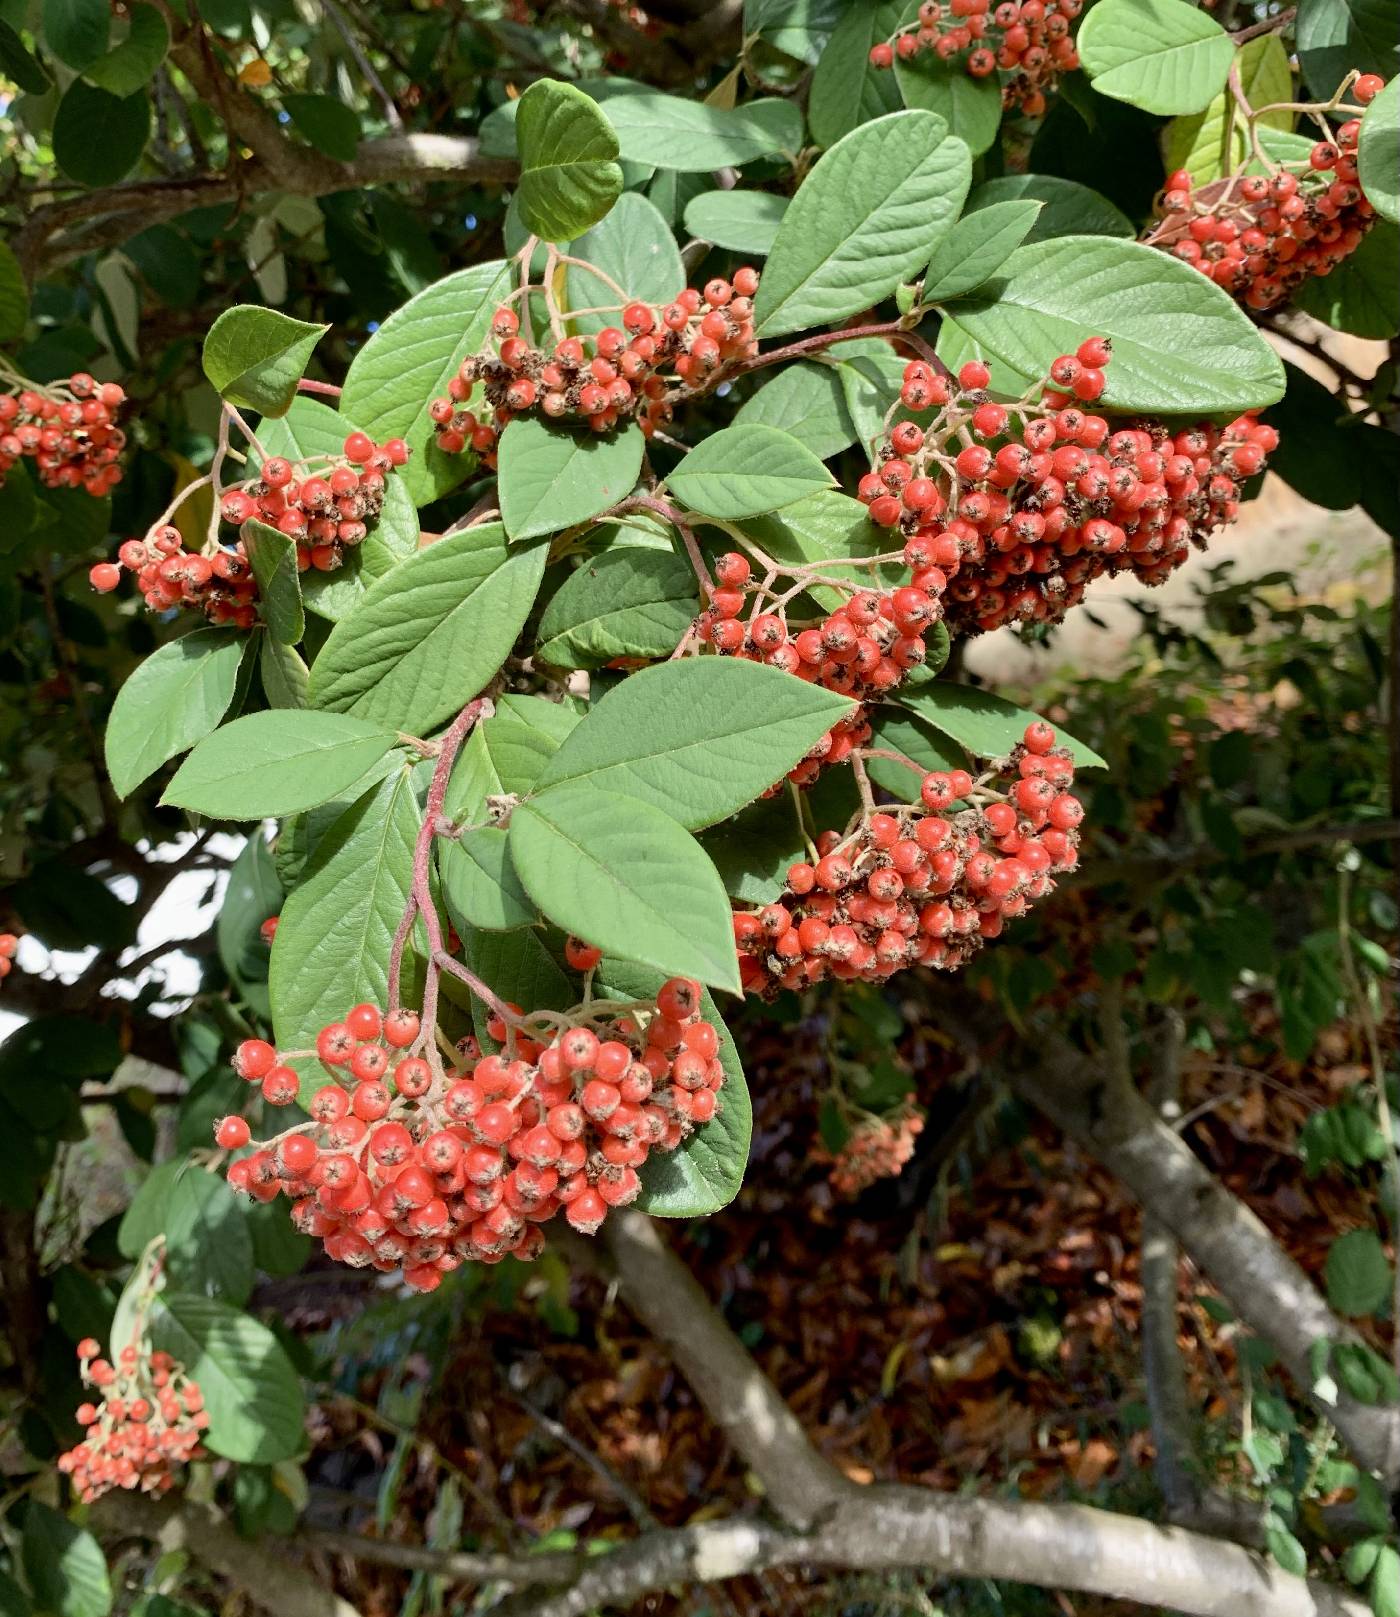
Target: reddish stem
x,y
824,339
649,502
306,385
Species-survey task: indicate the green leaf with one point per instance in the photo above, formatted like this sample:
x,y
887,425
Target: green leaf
x,y
64,1565
1070,209
971,107
479,883
987,725
310,429
208,1248
807,401
871,373
286,680
507,754
867,217
144,1218
1159,55
254,893
706,1172
846,90
742,471
171,700
569,176
1179,342
332,945
273,558
255,357
133,63
76,30
1362,295
1385,1583
634,247
627,602
625,876
798,28
753,850
668,131
428,637
251,1391
742,221
977,246
329,125
13,1600
98,138
19,66
1359,1277
1337,37
410,360
1284,1547
550,477
1198,143
14,297
1378,153
277,762
698,738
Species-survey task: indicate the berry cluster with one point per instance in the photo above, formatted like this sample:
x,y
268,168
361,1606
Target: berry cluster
x,y
876,1148
68,431
404,1166
921,885
659,353
148,1421
1027,39
1261,237
1010,511
327,508
863,650
9,948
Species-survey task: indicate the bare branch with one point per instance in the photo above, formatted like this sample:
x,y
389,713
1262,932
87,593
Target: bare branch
x,y
272,1582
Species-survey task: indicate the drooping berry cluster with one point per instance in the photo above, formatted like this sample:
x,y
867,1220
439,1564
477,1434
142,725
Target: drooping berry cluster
x,y
863,650
1261,237
327,507
147,1421
876,1148
9,948
68,431
1010,511
406,1167
659,353
921,885
221,585
1028,40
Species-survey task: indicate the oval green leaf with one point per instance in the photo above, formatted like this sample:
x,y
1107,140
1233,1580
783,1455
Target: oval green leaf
x,y
808,402
255,357
277,762
273,558
742,221
698,738
569,175
977,246
628,878
1378,153
1179,342
742,471
668,131
1159,55
1070,209
867,217
479,883
428,637
98,137
627,602
633,247
986,724
551,478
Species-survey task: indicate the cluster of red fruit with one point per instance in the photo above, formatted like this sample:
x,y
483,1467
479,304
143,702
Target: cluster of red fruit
x,y
147,1422
1012,510
1262,237
864,649
68,430
405,1167
326,509
876,1148
920,885
659,353
1028,39
9,948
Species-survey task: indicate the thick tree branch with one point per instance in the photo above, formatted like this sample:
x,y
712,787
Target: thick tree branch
x,y
273,1583
1264,1286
